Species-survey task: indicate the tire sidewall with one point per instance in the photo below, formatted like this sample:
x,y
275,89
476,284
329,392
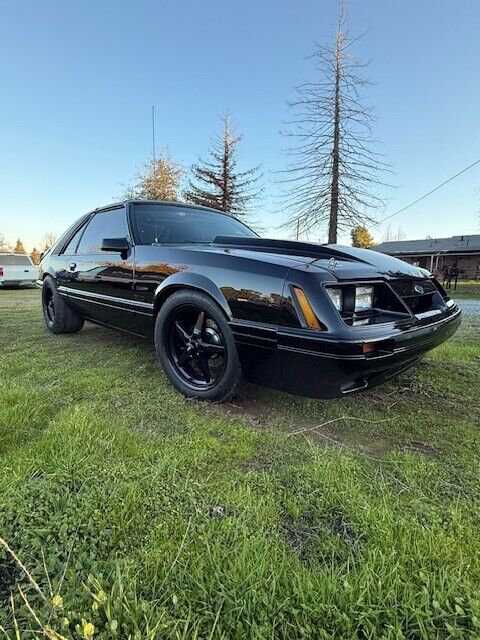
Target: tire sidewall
x,y
227,384
66,320
50,286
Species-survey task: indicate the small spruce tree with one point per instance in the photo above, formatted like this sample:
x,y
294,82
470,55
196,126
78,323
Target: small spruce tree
x,y
19,248
159,179
361,237
35,256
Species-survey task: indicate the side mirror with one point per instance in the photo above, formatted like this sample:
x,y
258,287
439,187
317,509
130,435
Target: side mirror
x,y
119,245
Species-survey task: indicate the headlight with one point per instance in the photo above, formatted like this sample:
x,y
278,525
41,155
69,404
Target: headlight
x,y
336,297
363,298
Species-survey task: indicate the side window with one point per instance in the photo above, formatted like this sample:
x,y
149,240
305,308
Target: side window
x,y
106,224
71,247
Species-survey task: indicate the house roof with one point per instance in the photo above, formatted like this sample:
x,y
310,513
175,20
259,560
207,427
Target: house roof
x,y
454,245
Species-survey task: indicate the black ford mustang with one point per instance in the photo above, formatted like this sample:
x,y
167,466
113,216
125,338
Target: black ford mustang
x,y
220,301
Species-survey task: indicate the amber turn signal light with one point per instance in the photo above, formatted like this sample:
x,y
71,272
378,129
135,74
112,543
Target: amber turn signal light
x,y
308,313
368,347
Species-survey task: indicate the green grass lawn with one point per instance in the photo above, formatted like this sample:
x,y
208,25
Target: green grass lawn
x,y
149,516
467,289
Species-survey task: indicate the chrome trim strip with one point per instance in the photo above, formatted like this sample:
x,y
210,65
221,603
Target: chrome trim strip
x,y
80,295
111,306
322,354
237,335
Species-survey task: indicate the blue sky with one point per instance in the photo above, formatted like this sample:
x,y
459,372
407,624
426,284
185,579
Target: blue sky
x,y
78,81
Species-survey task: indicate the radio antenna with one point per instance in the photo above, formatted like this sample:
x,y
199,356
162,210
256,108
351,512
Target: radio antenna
x,y
153,138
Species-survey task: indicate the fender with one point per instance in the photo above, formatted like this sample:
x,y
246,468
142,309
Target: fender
x,y
190,280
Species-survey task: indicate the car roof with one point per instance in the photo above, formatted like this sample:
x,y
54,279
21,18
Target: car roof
x,y
115,205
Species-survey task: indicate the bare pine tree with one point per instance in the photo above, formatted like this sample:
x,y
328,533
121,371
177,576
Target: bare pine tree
x,y
217,183
50,238
335,173
4,245
392,235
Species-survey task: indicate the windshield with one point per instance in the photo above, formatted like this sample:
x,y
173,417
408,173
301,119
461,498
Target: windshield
x,y
164,224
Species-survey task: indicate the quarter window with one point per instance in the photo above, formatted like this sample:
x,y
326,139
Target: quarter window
x,y
106,224
71,247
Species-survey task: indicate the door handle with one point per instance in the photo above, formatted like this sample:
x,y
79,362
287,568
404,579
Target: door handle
x,y
72,266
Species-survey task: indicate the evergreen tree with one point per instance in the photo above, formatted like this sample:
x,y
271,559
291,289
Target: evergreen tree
x,y
361,237
19,248
35,256
216,183
158,180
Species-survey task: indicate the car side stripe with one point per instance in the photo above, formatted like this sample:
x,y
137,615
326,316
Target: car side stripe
x,y
101,298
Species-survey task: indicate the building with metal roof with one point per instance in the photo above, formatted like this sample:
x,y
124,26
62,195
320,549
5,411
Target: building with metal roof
x,y
435,254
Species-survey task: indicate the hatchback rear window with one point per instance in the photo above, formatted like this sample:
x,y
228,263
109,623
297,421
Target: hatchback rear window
x,y
17,259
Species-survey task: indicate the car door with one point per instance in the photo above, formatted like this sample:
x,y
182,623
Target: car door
x,y
100,283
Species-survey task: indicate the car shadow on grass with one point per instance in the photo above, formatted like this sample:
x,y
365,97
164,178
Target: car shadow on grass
x,y
407,414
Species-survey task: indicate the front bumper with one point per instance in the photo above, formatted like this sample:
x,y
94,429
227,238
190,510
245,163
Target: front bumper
x,y
327,366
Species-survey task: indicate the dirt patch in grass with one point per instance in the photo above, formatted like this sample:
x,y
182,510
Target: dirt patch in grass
x,y
273,410
299,534
256,465
322,538
393,417
339,524
423,449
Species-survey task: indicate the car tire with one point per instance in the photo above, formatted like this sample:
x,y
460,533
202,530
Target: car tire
x,y
58,315
179,318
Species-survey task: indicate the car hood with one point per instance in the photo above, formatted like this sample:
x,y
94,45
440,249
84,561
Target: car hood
x,y
365,263
344,263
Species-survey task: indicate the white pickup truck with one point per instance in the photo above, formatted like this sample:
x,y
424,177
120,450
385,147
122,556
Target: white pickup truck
x,y
17,269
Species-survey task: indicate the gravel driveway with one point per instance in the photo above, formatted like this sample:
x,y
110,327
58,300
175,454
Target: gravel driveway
x,y
469,307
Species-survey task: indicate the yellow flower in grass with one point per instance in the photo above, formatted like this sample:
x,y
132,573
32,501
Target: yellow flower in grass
x,y
57,601
88,630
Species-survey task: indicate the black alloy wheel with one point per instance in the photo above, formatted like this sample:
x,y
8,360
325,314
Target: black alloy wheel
x,y
196,348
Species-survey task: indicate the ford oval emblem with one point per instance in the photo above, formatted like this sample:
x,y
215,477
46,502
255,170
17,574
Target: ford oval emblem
x,y
418,289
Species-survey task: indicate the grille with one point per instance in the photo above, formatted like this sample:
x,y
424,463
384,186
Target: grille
x,y
418,295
